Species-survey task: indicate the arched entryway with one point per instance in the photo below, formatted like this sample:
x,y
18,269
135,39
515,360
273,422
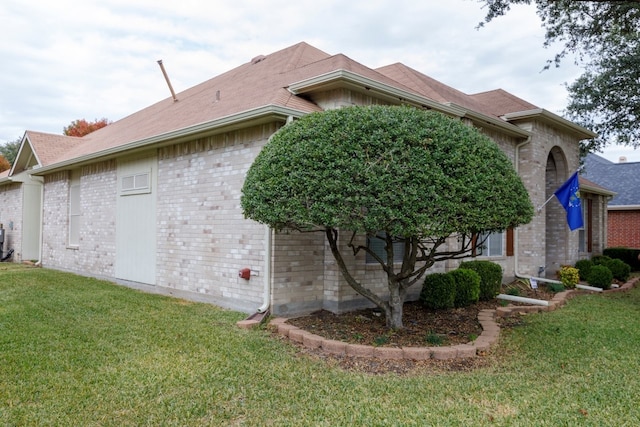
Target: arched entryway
x,y
556,245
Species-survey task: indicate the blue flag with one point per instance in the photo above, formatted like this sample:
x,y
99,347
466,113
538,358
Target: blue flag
x,y
569,197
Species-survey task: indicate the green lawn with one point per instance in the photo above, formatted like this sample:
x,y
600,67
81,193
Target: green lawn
x,y
75,351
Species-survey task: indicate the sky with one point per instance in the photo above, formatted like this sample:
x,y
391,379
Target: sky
x,y
87,59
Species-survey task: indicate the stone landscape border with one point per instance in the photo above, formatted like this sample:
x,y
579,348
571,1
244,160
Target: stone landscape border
x,y
478,347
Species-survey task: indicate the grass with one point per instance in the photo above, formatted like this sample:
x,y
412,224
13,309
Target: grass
x,y
79,351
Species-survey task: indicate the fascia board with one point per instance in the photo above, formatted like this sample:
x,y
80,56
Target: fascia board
x,y
330,79
210,127
541,113
597,190
504,126
25,141
623,207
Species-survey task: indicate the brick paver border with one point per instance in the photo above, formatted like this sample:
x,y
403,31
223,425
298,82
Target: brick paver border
x,y
479,347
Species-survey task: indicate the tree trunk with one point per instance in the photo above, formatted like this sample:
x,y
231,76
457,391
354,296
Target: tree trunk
x,y
396,303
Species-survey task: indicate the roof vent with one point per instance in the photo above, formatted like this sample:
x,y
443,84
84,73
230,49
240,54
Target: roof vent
x,y
622,159
257,59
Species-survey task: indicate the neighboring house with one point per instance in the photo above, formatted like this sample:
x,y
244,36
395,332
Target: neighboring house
x,y
623,178
153,200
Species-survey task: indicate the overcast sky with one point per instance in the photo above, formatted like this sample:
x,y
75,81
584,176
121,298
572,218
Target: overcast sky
x,y
88,59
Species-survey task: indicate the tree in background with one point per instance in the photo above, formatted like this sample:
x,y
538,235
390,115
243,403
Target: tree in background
x,y
9,150
411,178
81,127
4,164
605,38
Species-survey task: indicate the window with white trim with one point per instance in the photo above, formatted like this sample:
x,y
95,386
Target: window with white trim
x,y
492,246
75,213
377,244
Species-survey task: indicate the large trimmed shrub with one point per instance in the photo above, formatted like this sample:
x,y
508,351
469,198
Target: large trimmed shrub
x,y
620,270
584,267
467,284
600,277
490,277
438,291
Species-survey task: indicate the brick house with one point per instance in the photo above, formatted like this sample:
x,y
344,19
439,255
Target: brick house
x,y
152,200
623,178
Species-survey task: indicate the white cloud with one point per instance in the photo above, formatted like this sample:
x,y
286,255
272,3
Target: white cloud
x,y
74,59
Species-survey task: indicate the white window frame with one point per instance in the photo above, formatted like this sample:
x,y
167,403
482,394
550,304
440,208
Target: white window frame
x,y
135,183
493,246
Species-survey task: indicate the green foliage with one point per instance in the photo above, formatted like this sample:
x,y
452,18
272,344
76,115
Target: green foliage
x,y
628,255
600,259
399,170
604,36
555,287
386,170
490,277
514,291
434,339
619,269
9,149
467,285
600,277
584,267
438,291
569,276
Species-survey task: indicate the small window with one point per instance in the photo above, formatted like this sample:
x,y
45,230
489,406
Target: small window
x,y
377,243
135,184
492,246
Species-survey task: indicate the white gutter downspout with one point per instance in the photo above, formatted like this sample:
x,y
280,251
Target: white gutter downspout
x,y
515,231
268,254
266,295
40,180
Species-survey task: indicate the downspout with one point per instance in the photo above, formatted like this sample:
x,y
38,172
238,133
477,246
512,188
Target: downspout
x,y
40,180
266,294
268,255
516,241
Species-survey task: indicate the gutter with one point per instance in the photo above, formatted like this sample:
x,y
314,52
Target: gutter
x,y
177,135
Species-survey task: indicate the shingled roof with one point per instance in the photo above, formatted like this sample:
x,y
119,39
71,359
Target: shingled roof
x,y
279,84
623,178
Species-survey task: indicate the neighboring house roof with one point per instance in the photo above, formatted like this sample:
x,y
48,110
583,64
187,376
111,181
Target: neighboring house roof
x,y
281,84
594,188
622,178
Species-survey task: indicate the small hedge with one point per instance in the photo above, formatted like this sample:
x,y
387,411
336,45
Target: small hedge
x,y
627,255
438,291
569,276
467,283
600,259
620,270
584,267
490,277
600,277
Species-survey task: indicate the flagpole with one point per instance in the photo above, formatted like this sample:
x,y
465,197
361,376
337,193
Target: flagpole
x,y
545,203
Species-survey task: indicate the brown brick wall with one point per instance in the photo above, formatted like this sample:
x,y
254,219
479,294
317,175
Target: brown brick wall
x,y
624,229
